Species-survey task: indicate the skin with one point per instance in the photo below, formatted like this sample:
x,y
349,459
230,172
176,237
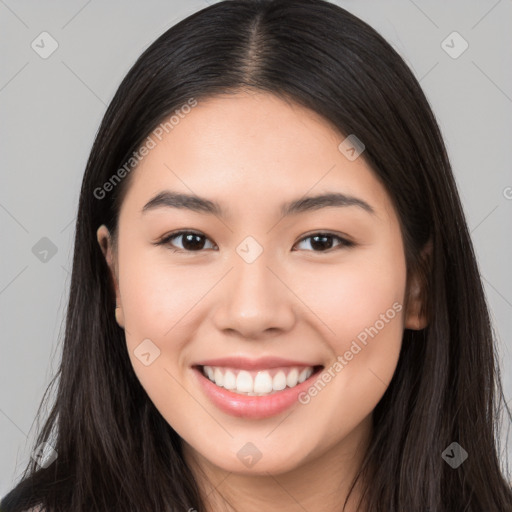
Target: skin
x,y
308,304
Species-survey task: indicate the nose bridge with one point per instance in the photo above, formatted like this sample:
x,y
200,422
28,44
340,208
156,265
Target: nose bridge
x,y
254,299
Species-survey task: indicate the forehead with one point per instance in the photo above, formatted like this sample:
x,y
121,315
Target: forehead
x,y
250,148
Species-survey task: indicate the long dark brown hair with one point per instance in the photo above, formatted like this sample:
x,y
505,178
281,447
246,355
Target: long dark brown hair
x,y
115,451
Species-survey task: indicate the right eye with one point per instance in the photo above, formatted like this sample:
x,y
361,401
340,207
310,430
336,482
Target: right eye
x,y
191,241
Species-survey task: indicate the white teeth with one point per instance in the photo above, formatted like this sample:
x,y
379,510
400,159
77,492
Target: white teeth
x,y
258,383
279,381
291,379
244,382
305,374
263,383
209,372
229,380
219,378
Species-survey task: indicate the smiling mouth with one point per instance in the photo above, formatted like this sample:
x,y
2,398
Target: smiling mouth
x,y
258,382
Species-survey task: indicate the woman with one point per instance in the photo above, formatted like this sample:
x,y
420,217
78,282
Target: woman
x,y
275,302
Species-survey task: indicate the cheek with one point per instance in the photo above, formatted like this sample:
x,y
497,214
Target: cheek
x,y
361,303
157,295
352,296
156,298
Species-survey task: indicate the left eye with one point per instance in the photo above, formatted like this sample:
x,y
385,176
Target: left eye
x,y
195,242
325,241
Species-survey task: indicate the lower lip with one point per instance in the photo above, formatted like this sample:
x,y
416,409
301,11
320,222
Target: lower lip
x,y
254,407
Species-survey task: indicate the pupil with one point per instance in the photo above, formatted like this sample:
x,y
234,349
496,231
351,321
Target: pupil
x,y
317,244
192,242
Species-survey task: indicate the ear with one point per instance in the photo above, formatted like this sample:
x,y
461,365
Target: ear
x,y
415,315
105,242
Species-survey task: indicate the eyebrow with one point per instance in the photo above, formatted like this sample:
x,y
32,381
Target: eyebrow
x,y
169,199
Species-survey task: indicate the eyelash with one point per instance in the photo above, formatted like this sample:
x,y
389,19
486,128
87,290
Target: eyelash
x,y
343,241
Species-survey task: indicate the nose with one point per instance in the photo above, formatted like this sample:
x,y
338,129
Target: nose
x,y
255,301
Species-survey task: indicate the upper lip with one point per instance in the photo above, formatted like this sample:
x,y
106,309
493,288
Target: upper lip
x,y
245,363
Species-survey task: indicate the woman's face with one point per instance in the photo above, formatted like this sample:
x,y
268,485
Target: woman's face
x,y
270,285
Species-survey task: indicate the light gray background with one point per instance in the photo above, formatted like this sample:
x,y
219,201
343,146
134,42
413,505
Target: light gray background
x,y
51,109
